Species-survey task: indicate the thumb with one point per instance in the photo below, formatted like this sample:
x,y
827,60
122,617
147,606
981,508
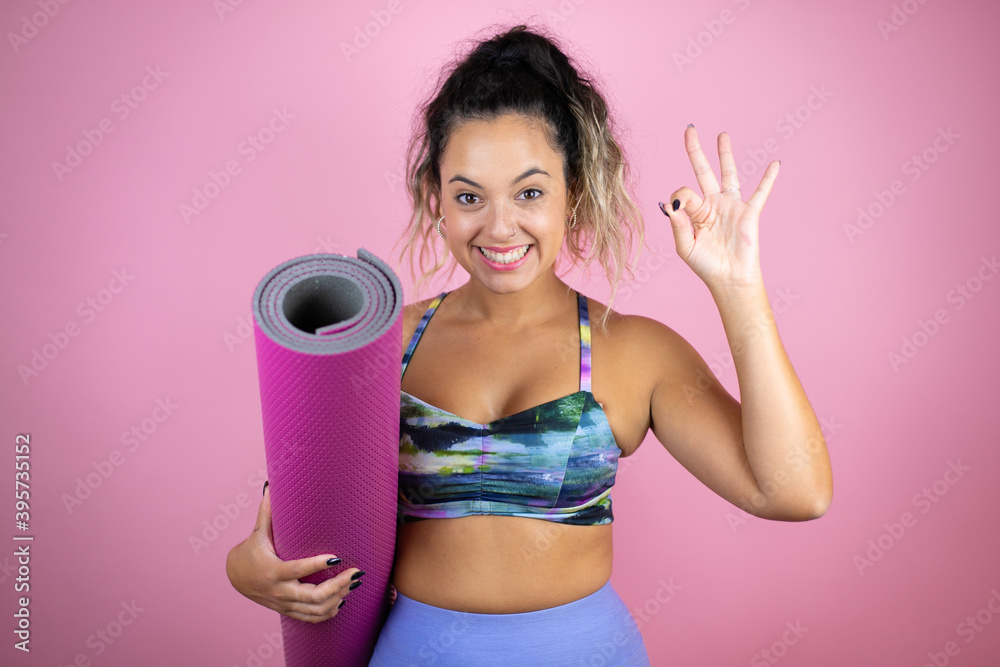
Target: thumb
x,y
262,529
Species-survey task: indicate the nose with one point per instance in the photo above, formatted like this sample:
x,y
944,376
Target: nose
x,y
499,224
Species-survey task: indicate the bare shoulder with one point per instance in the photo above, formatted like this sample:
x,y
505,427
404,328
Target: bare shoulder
x,y
412,313
643,356
636,336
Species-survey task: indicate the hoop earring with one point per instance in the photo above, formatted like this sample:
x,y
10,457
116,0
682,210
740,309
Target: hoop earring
x,y
574,220
439,227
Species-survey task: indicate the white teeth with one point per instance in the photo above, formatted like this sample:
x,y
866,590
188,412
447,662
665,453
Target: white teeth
x,y
507,257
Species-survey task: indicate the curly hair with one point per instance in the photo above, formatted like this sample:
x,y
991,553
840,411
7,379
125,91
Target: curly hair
x,y
524,72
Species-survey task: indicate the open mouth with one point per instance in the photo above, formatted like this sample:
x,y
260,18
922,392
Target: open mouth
x,y
508,257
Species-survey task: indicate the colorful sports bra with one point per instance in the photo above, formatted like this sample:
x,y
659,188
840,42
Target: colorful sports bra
x,y
555,461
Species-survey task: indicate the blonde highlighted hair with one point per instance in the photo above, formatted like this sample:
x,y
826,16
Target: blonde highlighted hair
x,y
524,72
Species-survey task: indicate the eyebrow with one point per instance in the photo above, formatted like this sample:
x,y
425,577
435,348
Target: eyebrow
x,y
529,172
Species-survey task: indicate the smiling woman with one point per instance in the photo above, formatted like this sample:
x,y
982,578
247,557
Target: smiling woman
x,y
509,446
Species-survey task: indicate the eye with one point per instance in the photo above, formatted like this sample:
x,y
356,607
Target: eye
x,y
466,201
538,193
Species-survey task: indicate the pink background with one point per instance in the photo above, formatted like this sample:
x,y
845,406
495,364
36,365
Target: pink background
x,y
331,181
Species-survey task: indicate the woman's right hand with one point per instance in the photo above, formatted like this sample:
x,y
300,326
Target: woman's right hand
x,y
256,571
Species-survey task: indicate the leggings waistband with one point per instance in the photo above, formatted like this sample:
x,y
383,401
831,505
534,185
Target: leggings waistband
x,y
594,630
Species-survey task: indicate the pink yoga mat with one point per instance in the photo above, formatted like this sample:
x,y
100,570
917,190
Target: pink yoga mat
x,y
327,332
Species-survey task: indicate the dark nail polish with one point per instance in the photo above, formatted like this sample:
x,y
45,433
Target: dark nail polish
x,y
334,561
690,124
677,204
663,207
341,603
354,585
265,487
357,575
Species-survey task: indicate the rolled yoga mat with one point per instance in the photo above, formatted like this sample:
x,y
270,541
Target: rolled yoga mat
x,y
327,331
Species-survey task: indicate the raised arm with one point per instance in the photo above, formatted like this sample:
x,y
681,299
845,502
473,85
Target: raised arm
x,y
765,454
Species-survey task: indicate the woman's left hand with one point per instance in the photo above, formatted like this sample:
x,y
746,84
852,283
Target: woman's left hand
x,y
716,235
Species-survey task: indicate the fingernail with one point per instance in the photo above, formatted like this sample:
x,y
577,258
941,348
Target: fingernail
x,y
264,490
341,603
335,561
690,124
357,575
354,585
677,204
663,207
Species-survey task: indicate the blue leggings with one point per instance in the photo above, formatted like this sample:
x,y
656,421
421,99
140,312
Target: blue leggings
x,y
594,631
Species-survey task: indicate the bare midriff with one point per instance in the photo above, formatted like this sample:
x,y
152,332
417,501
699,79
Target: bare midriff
x,y
500,564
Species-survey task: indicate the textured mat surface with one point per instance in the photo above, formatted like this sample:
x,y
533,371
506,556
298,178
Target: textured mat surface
x,y
327,331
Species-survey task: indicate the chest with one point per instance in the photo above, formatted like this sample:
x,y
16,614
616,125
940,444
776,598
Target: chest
x,y
482,379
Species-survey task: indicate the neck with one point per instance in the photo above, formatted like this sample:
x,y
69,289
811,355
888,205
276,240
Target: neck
x,y
520,310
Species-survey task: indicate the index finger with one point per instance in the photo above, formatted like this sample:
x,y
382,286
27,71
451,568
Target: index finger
x,y
335,584
702,169
303,567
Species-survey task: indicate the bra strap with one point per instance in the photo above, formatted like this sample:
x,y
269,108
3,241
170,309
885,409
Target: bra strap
x,y
584,343
420,330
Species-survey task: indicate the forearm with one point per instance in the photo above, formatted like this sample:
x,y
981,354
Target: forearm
x,y
782,437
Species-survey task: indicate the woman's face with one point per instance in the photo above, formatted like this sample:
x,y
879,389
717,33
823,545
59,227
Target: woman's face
x,y
503,190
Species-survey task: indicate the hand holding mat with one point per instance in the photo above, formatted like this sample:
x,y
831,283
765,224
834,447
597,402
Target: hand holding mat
x,y
327,330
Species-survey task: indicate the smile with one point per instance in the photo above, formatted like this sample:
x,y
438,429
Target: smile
x,y
505,257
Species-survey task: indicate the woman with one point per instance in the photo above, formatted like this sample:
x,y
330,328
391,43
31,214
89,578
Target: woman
x,y
515,410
